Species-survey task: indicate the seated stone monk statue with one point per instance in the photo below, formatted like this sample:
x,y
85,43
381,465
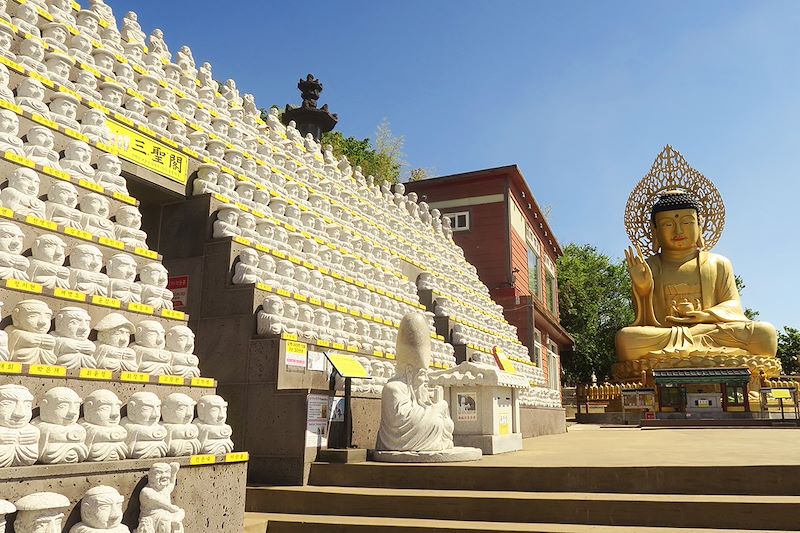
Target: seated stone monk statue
x,y
685,298
414,418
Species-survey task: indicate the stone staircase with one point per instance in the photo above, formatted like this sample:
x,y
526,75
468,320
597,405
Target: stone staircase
x,y
394,498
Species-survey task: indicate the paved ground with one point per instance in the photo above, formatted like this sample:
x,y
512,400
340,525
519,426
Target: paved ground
x,y
590,445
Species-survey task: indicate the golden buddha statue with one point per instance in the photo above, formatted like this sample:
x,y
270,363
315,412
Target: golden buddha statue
x,y
688,310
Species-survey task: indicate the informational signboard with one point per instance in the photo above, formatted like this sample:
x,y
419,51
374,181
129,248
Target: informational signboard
x,y
779,394
504,420
346,365
467,407
179,285
149,153
318,408
296,354
638,399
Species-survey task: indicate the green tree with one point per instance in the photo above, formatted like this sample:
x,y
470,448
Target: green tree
x,y
789,349
752,314
594,296
383,159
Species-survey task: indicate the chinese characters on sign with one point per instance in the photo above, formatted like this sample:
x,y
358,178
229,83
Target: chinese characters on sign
x,y
149,153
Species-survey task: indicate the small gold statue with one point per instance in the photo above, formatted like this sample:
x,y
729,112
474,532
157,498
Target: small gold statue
x,y
685,297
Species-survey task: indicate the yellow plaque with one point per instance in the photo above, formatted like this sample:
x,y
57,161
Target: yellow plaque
x,y
341,308
284,292
144,252
173,314
781,394
237,457
78,233
47,370
91,186
202,460
315,301
25,286
296,348
262,248
149,153
377,353
202,382
95,373
289,336
242,240
295,260
338,346
140,308
279,254
366,316
6,212
264,287
67,294
323,343
106,302
356,313
347,366
300,297
42,223
352,349
135,377
171,380
124,198
113,243
10,367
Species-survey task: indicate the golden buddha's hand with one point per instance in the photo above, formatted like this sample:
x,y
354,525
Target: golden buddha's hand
x,y
639,270
692,317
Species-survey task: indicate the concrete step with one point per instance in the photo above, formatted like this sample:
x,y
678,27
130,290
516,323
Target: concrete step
x,y
644,510
288,523
771,480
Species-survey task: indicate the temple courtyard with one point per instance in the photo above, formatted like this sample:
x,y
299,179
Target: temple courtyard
x,y
591,478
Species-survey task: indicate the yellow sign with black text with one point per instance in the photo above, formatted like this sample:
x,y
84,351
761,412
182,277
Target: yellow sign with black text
x,y
151,154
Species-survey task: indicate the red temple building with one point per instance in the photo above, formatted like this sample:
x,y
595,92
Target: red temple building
x,y
498,223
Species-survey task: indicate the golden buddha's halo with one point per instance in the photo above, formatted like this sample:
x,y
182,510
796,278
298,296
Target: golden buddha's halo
x,y
671,171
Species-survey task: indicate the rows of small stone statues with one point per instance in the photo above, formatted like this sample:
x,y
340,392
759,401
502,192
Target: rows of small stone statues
x,y
147,431
281,314
29,340
101,508
118,276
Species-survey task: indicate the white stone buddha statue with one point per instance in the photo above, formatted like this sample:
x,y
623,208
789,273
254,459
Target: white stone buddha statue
x,y
246,226
95,209
131,30
59,66
127,227
146,437
113,337
19,439
28,341
121,270
135,109
109,174
158,119
158,47
156,511
124,74
73,348
177,132
103,11
61,11
151,355
64,109
62,439
267,265
105,437
27,19
198,141
226,224
206,180
305,319
101,511
215,434
271,318
154,278
77,160
177,415
112,95
110,38
38,147
180,342
7,36
9,130
246,269
40,512
6,507
85,262
12,264
21,194
104,61
55,35
93,125
88,22
148,86
31,55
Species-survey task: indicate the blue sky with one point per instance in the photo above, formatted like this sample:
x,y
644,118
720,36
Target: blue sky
x,y
581,95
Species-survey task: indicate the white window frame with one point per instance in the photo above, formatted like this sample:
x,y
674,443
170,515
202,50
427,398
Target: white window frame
x,y
454,218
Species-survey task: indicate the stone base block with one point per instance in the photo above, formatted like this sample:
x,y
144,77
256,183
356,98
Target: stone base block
x,y
212,495
342,455
491,444
452,455
632,370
